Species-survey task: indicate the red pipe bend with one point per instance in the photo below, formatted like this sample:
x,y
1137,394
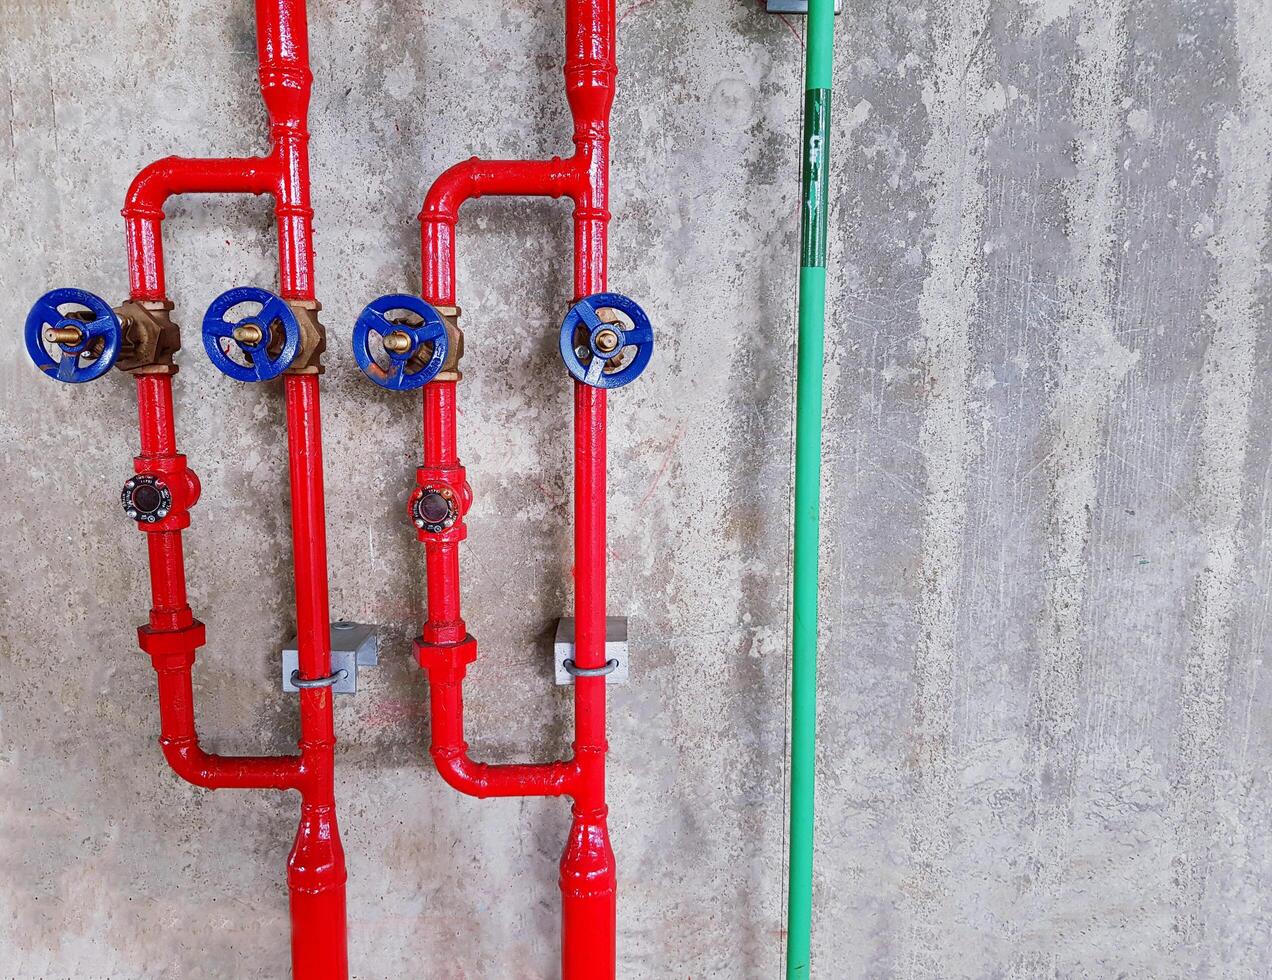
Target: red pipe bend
x,y
201,768
483,780
446,665
188,175
475,177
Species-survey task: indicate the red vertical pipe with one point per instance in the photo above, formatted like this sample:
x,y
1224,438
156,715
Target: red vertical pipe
x,y
588,878
282,35
588,871
316,869
445,624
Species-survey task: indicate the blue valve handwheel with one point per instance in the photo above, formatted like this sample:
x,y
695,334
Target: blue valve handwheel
x,y
274,315
588,364
99,337
374,319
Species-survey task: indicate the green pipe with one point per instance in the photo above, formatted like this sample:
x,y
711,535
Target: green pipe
x,y
808,446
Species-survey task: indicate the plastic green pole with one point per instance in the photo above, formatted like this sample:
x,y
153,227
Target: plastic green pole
x,y
808,446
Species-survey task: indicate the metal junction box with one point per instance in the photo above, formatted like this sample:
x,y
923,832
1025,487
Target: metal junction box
x,y
796,6
615,648
353,645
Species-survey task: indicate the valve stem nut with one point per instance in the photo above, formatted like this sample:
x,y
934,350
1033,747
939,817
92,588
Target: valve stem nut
x,y
146,499
606,341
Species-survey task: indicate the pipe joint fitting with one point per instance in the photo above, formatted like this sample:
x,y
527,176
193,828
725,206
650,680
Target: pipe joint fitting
x,y
587,864
316,863
449,658
160,494
172,649
455,343
313,337
150,337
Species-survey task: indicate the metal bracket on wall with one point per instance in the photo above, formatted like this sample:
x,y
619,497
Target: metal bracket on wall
x,y
615,649
796,6
353,645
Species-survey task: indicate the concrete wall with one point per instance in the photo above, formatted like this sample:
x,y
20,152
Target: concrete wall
x,y
1045,718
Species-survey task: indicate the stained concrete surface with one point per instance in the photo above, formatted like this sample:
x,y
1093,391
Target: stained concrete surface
x,y
1045,720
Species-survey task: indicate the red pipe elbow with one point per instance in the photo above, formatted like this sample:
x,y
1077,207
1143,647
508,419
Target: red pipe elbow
x,y
474,178
186,175
143,207
484,781
446,666
201,768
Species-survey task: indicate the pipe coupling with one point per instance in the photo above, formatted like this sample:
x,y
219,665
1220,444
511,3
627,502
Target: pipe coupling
x,y
452,658
313,337
150,337
170,649
455,346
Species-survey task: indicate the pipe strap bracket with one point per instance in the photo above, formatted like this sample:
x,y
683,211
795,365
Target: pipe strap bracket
x,y
317,682
574,670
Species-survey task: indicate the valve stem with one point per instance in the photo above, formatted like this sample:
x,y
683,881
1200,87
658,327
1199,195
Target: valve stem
x,y
399,342
64,335
249,334
607,341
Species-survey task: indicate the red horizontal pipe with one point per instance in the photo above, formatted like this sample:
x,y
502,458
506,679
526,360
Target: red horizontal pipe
x,y
186,175
477,178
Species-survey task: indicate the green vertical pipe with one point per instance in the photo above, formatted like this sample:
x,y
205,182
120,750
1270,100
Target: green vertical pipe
x,y
808,446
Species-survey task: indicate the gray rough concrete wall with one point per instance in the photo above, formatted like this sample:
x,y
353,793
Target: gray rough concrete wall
x,y
1045,719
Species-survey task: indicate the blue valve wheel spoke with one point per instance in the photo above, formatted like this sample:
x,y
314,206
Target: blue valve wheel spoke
x,y
220,329
594,372
592,366
99,341
588,312
638,337
374,321
100,328
67,368
273,314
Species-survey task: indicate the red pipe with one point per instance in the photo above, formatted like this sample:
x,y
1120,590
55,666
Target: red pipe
x,y
588,879
315,868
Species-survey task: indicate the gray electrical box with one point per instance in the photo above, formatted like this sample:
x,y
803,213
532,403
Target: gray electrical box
x,y
615,648
796,6
353,645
